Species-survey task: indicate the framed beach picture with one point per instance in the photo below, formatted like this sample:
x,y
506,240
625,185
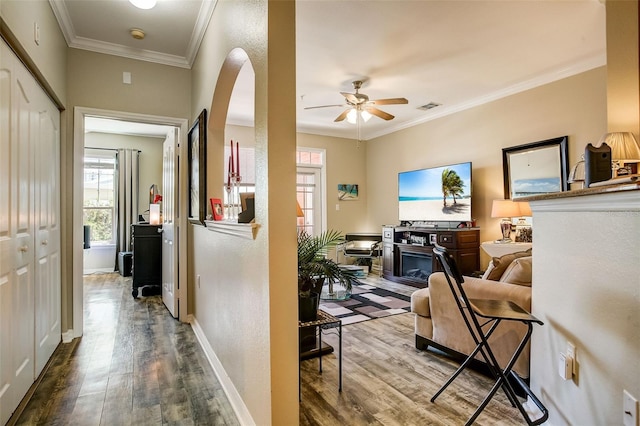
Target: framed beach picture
x,y
347,192
197,147
535,168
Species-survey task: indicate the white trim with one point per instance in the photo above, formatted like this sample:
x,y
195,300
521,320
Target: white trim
x,y
243,230
66,25
78,233
67,336
238,405
602,202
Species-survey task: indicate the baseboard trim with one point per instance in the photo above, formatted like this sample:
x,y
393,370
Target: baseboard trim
x,y
67,336
238,405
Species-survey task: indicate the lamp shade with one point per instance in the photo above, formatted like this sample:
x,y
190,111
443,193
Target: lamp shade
x,y
505,208
154,214
624,145
299,210
525,208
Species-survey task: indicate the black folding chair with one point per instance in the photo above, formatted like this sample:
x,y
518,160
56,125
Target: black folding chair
x,y
491,313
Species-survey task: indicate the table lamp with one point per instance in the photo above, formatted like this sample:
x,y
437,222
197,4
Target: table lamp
x,y
624,147
506,209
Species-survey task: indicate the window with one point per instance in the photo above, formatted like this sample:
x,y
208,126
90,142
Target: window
x,y
99,196
310,190
310,183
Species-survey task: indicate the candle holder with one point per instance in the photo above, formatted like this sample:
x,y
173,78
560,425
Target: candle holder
x,y
233,196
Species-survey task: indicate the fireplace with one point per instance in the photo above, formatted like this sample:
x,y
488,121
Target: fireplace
x,y
416,265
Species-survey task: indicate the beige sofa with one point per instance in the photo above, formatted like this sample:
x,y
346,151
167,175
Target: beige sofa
x,y
438,321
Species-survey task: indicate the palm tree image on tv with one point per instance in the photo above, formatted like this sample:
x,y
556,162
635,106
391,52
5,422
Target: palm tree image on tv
x,y
435,193
452,186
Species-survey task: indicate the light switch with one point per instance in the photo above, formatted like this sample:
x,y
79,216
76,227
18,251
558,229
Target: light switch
x,y
126,77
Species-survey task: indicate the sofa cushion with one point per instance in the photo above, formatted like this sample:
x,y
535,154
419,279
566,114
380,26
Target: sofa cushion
x,y
518,272
420,302
500,264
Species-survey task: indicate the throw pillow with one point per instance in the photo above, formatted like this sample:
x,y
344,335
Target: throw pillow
x,y
500,264
518,272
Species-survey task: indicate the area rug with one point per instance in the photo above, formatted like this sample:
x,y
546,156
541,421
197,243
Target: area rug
x,y
367,302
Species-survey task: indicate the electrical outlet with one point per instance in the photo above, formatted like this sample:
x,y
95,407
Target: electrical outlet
x,y
630,409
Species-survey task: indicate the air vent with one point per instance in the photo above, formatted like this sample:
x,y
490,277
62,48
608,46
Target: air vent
x,y
430,105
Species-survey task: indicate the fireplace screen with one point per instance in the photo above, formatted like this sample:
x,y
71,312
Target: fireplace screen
x,y
416,266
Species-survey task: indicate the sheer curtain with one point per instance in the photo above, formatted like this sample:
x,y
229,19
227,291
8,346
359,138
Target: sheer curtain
x,y
126,193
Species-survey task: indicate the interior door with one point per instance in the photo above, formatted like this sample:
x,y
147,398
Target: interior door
x,y
169,228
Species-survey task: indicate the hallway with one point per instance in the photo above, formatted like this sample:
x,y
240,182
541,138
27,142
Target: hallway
x,y
135,365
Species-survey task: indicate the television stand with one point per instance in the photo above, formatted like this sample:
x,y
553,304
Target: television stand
x,y
407,252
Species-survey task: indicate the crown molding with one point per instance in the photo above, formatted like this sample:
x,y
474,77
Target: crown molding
x,y
204,16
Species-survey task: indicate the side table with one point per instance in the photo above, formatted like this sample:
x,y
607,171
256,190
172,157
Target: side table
x,y
494,249
324,322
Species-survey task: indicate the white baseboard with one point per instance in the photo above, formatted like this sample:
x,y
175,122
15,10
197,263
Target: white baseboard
x,y
238,405
67,336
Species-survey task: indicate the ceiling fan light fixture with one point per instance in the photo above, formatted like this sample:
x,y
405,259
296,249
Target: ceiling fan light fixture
x,y
143,4
352,116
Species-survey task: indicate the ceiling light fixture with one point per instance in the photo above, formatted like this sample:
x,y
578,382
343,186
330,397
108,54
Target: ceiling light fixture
x,y
352,116
137,33
143,4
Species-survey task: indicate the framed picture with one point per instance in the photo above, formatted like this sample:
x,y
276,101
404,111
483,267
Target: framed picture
x,y
535,168
347,192
217,209
197,147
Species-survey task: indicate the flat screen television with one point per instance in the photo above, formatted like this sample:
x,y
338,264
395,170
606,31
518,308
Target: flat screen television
x,y
435,194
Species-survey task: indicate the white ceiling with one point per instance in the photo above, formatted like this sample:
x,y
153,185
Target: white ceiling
x,y
455,53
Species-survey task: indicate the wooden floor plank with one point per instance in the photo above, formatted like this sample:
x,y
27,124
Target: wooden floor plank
x,y
136,365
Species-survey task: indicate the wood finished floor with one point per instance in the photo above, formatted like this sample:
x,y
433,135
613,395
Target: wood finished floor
x,y
135,365
387,381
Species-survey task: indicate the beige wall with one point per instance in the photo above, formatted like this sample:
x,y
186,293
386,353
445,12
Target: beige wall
x,y
50,54
623,76
245,304
575,106
345,163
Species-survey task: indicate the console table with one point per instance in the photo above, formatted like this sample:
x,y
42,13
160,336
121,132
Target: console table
x,y
407,252
324,322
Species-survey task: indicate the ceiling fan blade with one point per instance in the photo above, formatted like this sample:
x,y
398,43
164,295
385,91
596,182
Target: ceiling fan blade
x,y
351,97
343,115
324,106
379,113
389,101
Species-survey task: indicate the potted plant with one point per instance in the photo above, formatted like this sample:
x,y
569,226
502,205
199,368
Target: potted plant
x,y
314,269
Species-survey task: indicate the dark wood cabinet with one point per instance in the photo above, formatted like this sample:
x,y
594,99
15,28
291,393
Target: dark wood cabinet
x,y
147,257
407,252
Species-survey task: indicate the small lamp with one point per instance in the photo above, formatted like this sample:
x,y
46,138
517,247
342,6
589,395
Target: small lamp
x,y
300,213
352,115
506,209
154,214
624,146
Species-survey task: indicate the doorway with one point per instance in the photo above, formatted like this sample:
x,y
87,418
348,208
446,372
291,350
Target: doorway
x,y
116,118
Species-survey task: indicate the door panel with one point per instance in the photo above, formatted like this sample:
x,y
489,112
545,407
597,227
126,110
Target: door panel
x,y
169,242
29,230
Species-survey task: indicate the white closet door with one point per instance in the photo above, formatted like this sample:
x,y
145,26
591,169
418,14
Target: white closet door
x,y
47,278
29,231
7,237
17,253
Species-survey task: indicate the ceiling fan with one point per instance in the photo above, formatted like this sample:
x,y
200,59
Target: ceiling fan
x,y
359,105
